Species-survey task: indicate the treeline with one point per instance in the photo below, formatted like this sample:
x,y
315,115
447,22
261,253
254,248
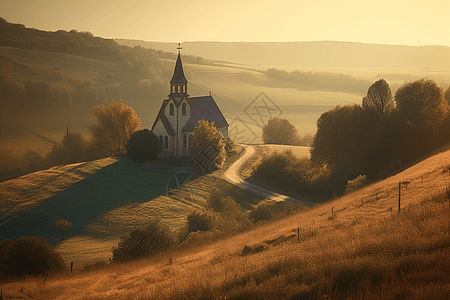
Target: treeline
x,y
45,89
371,140
82,43
325,81
115,124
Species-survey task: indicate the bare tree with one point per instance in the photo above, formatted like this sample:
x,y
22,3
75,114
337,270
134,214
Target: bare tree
x,y
379,99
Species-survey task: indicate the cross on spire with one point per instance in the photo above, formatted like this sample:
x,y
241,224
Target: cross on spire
x,y
179,47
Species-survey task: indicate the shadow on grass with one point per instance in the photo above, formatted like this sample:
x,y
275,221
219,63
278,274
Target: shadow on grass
x,y
113,186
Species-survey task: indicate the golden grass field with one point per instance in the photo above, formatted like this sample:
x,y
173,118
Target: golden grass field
x,y
364,249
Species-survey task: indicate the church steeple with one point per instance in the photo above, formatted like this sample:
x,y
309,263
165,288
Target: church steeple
x,y
178,84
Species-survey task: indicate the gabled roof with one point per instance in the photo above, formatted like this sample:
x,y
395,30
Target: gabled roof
x,y
188,127
161,116
206,108
178,73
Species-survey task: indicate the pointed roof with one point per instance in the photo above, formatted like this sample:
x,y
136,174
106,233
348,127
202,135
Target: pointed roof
x,y
178,74
161,116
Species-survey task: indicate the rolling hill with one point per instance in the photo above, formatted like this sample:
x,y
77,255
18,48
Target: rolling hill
x,y
358,244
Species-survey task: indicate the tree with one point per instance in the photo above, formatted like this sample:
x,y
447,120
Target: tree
x,y
279,131
76,144
422,104
62,226
341,141
447,95
142,146
116,122
379,99
204,136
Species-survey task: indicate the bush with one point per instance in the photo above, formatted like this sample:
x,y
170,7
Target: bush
x,y
355,184
274,210
199,220
28,256
144,241
142,146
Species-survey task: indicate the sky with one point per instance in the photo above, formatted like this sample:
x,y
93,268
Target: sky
x,y
401,22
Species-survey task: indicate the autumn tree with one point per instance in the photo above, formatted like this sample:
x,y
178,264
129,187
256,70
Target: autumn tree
x,y
421,103
206,136
379,99
116,122
279,131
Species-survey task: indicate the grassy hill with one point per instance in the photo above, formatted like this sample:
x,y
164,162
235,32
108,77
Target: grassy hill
x,y
357,246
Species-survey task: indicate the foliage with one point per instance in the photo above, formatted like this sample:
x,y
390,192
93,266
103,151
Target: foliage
x,y
116,122
355,184
200,220
275,210
144,241
72,149
206,135
447,95
421,104
379,100
28,256
62,226
279,131
306,140
142,146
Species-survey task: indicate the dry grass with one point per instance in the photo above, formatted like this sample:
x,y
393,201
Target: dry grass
x,y
363,250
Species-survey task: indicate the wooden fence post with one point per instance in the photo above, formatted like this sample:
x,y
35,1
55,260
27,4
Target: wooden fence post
x,y
399,194
71,266
45,280
298,233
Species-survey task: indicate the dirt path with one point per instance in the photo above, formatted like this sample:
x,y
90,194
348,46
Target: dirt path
x,y
233,175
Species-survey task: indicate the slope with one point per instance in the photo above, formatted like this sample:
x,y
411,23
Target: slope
x,y
361,249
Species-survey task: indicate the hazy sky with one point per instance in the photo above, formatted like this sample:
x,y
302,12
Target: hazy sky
x,y
406,22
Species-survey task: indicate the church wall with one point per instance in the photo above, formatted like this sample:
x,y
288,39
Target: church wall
x,y
160,130
172,118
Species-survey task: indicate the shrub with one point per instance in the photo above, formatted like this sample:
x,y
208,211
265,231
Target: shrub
x,y
28,256
355,184
142,146
274,210
144,241
199,220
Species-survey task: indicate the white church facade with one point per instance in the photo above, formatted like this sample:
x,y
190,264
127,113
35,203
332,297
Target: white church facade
x,y
180,113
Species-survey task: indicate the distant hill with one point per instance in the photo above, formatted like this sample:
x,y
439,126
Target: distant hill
x,y
320,54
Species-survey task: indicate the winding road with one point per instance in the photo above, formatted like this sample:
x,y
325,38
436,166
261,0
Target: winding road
x,y
233,175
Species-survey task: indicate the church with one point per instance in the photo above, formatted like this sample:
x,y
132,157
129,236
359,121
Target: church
x,y
180,113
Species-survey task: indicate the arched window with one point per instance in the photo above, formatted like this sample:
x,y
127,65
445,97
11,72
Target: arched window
x,y
160,141
184,141
171,109
166,142
183,109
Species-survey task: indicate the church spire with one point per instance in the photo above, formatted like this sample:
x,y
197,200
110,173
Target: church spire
x,y
178,84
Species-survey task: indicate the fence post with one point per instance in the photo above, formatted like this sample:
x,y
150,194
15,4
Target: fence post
x,y
45,280
298,233
71,266
399,194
